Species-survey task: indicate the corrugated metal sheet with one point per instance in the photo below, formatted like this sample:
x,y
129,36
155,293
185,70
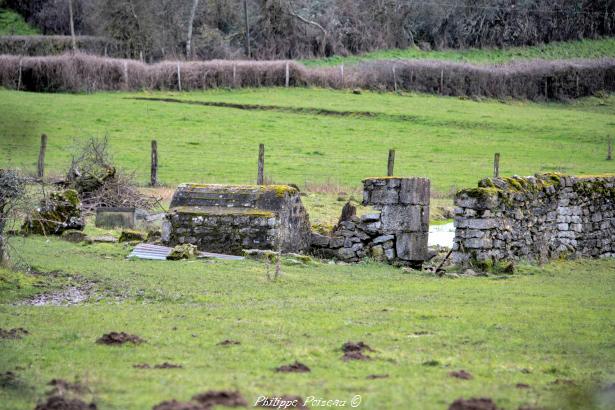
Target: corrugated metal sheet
x,y
156,252
147,251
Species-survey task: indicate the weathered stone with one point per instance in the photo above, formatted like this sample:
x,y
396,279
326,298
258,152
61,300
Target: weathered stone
x,y
412,246
370,218
414,191
186,251
129,235
346,253
60,212
382,239
377,252
402,218
321,241
73,235
115,218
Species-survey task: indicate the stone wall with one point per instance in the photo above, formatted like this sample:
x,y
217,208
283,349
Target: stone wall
x,y
535,218
397,233
230,218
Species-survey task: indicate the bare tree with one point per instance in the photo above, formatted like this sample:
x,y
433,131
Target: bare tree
x,y
72,24
195,4
247,28
12,189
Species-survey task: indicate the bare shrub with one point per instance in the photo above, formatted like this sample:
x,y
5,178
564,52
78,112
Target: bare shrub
x,y
12,190
54,45
533,80
100,184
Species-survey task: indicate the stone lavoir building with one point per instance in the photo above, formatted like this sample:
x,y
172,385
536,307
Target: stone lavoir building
x,y
232,218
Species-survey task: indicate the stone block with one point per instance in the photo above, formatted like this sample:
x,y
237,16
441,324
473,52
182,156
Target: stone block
x,y
402,218
115,218
411,246
414,191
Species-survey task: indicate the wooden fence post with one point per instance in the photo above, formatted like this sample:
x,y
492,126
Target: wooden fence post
x,y
154,171
342,73
41,157
234,75
179,78
394,79
609,155
19,79
287,83
260,179
391,163
496,165
442,81
126,73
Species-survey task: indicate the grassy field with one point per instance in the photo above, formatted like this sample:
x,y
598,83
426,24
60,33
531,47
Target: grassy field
x,y
550,328
450,140
552,51
12,24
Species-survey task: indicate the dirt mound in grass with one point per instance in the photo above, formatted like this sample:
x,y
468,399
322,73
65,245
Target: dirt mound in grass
x,y
354,351
293,368
119,338
482,403
61,403
16,333
461,374
355,356
205,401
229,342
356,347
177,405
377,376
164,365
221,398
61,386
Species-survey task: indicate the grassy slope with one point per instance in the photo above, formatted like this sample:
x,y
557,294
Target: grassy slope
x,y
552,51
449,140
554,321
12,23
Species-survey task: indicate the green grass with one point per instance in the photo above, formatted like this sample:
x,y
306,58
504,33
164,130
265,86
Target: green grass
x,y
552,51
534,327
12,24
450,140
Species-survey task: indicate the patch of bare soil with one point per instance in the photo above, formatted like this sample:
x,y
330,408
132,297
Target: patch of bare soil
x,y
16,333
377,376
522,386
482,403
221,398
60,386
354,351
205,401
293,368
461,374
70,296
61,403
119,338
8,379
229,342
177,405
282,402
164,365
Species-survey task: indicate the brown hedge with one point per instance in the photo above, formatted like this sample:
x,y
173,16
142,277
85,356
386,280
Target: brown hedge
x,y
533,80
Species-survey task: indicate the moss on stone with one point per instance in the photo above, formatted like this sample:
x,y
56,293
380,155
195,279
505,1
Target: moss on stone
x,y
481,193
219,211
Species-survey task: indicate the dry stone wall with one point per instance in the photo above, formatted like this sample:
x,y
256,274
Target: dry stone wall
x,y
230,218
397,233
535,218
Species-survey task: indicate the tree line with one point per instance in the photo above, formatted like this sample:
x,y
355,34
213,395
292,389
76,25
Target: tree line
x,y
269,29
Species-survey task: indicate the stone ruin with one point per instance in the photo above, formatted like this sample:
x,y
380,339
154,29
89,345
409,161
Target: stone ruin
x,y
535,218
397,234
230,218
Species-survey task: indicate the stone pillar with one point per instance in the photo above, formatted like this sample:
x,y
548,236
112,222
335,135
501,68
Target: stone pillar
x,y
404,213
